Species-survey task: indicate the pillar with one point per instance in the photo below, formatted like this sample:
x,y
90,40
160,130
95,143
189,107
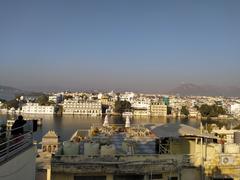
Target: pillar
x,y
109,177
48,173
146,177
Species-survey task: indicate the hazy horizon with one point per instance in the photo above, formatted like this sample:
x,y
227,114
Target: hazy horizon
x,y
143,46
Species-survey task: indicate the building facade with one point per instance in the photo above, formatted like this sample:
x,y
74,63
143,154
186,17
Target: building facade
x,y
158,109
50,142
167,152
56,98
35,108
82,107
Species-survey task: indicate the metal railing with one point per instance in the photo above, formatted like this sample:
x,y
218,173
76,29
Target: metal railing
x,y
11,145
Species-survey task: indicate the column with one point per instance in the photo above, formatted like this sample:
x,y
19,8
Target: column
x,y
109,177
48,173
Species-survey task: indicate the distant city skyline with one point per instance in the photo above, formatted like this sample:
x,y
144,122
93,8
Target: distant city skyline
x,y
144,46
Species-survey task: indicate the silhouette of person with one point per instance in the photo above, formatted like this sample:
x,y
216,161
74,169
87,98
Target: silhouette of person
x,y
17,127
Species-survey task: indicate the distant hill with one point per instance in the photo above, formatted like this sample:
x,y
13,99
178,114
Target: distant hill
x,y
187,89
9,93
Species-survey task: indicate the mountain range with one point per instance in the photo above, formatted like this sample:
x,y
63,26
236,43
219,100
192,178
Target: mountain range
x,y
9,93
187,89
184,89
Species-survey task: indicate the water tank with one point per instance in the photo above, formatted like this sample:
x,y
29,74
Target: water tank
x,y
237,137
108,150
70,148
91,149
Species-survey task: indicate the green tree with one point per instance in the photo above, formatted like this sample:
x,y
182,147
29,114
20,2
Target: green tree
x,y
42,100
211,111
12,103
184,111
205,110
221,110
169,110
121,106
2,100
104,108
68,97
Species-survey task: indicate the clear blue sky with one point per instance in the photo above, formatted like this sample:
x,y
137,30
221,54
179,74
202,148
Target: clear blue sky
x,y
122,45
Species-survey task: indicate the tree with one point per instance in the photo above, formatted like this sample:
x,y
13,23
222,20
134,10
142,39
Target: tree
x,y
121,106
205,110
104,108
2,100
12,103
169,110
211,111
68,97
51,103
42,100
184,111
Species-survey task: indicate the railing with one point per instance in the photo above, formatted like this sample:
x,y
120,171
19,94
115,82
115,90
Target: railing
x,y
164,148
12,145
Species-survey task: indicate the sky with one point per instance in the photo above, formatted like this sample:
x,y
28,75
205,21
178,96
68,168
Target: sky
x,y
132,45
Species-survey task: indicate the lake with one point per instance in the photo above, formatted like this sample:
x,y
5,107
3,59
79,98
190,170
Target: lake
x,y
66,125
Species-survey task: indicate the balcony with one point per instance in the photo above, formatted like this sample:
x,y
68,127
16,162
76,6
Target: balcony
x,y
12,146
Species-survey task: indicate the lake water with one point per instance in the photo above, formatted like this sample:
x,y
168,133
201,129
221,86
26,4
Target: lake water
x,y
66,125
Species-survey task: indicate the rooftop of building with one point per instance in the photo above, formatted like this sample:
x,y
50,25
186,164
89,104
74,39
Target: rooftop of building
x,y
176,130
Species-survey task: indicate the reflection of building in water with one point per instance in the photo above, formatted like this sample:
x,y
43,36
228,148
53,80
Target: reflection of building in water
x,y
50,142
149,119
168,151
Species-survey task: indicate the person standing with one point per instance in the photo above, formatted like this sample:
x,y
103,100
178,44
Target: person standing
x,y
17,127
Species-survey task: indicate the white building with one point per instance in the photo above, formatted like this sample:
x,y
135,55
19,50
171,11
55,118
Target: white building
x,y
1,104
234,108
127,96
50,142
228,135
141,103
141,107
35,108
82,107
57,98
